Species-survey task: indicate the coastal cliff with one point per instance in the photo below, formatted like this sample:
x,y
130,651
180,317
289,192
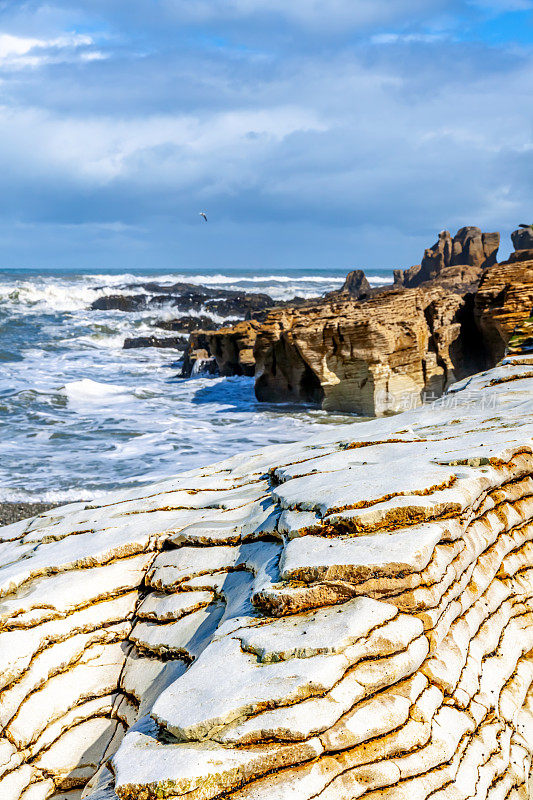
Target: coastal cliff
x,y
374,351
396,348
371,358
351,616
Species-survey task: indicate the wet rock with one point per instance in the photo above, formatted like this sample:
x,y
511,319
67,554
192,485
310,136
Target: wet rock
x,y
186,297
119,302
198,359
176,342
232,348
188,324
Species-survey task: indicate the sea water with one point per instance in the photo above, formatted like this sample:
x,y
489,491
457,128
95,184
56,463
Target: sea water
x,y
80,416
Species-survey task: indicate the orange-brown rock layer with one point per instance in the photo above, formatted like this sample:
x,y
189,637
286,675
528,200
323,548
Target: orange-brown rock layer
x,y
503,300
369,357
231,347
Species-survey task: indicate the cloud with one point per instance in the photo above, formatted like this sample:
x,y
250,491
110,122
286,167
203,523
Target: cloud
x,y
306,13
407,38
315,133
22,51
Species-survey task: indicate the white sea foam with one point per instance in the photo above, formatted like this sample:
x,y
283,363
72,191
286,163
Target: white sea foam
x,y
82,416
86,389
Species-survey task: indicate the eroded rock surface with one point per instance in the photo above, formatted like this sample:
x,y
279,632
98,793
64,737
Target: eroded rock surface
x,y
356,284
503,300
457,260
376,357
231,349
351,616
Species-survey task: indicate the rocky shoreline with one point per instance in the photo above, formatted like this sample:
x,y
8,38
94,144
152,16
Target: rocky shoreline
x,y
351,616
369,351
363,350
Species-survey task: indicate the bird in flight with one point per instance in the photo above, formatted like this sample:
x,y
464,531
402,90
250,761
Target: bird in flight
x,y
203,214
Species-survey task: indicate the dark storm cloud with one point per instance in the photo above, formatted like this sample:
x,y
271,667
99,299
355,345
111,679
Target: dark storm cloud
x,y
311,130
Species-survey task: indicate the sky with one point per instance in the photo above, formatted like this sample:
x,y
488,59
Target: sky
x,y
314,133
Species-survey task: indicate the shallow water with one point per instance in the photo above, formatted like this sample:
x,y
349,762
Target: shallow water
x,y
80,416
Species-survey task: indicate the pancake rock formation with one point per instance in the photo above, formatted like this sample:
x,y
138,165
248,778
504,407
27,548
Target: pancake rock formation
x,y
359,349
231,348
372,358
504,298
347,617
456,260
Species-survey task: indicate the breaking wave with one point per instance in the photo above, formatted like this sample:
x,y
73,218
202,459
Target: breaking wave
x,y
81,416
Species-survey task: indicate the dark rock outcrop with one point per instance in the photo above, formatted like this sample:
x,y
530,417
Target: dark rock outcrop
x,y
176,342
522,238
456,261
187,324
356,285
120,302
186,297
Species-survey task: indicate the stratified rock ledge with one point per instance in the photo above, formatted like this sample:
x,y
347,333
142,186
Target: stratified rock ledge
x,y
348,617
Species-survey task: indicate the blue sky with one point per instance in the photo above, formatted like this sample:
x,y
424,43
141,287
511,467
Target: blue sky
x,y
315,133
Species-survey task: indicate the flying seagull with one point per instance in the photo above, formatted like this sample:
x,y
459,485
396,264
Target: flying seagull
x,y
203,214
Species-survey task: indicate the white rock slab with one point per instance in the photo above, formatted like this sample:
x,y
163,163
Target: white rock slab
x,y
18,647
321,632
312,558
195,706
187,636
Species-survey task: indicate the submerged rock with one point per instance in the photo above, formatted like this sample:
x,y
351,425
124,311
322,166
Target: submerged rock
x,y
349,616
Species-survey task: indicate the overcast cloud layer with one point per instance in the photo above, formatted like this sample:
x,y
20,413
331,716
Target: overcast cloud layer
x,y
315,133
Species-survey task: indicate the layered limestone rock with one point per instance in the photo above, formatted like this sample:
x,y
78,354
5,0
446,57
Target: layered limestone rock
x,y
504,298
390,350
346,617
458,260
231,348
373,358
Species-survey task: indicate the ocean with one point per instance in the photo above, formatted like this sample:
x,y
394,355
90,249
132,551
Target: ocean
x,y
80,416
